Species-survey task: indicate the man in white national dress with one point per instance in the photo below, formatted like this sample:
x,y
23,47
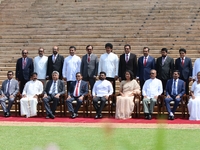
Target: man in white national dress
x,y
28,103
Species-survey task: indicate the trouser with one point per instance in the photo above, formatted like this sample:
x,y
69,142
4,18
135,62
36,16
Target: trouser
x,y
96,105
148,105
70,106
46,100
176,103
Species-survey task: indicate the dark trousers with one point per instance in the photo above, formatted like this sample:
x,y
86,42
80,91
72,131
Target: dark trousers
x,y
176,103
112,80
22,84
68,85
164,83
91,81
96,105
70,106
46,100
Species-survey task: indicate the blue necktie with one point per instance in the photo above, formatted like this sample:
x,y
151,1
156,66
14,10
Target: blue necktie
x,y
174,88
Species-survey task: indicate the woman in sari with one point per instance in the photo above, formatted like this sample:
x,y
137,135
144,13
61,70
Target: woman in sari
x,y
194,101
125,104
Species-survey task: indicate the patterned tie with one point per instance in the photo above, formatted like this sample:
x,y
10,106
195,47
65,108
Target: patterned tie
x,y
24,63
89,58
174,88
54,88
126,58
145,61
182,62
76,92
8,88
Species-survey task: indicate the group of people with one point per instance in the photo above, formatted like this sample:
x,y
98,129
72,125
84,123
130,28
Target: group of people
x,y
155,77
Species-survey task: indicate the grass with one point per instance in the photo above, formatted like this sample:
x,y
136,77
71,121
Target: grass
x,y
79,138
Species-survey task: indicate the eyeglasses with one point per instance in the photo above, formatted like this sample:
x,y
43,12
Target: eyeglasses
x,y
152,73
9,74
40,51
89,49
24,53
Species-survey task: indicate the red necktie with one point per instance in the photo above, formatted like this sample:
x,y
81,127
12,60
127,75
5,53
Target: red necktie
x,y
88,58
182,62
145,61
76,92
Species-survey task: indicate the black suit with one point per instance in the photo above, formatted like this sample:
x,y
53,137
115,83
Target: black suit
x,y
23,74
130,65
50,97
185,71
57,66
164,70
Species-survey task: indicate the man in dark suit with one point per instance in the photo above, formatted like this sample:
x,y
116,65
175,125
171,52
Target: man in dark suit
x,y
184,66
24,69
145,64
55,63
127,61
78,89
52,92
89,66
9,90
164,67
175,89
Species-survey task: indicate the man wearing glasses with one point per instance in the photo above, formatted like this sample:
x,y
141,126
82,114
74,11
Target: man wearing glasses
x,y
89,66
9,89
24,69
40,65
152,88
54,63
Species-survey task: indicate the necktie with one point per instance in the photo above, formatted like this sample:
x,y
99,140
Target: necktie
x,y
174,88
145,61
182,62
76,92
88,58
24,63
163,60
54,88
54,58
8,88
126,58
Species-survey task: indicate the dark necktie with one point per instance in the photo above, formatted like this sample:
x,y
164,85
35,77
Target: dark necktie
x,y
24,63
174,88
8,88
126,58
145,61
182,62
88,58
54,88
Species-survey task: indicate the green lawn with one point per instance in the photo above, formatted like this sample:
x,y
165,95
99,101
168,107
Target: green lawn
x,y
77,138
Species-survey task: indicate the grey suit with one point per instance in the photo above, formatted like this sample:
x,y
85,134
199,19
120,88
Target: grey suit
x,y
50,97
13,90
89,69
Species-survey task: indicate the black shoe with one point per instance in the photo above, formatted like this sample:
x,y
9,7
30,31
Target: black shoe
x,y
100,116
171,118
7,114
52,116
96,117
149,117
146,116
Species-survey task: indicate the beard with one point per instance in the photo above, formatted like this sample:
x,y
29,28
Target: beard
x,y
100,78
55,52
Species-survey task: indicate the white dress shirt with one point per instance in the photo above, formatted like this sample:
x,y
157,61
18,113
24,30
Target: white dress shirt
x,y
196,68
71,66
40,66
152,87
32,88
109,63
102,88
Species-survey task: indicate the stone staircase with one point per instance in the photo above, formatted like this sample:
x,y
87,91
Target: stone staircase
x,y
30,24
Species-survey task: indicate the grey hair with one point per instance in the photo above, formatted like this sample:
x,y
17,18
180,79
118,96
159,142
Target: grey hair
x,y
55,72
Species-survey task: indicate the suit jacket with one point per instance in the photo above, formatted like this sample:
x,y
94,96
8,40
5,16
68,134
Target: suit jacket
x,y
14,87
57,66
89,69
24,74
186,69
165,71
60,87
144,71
180,87
130,65
82,91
